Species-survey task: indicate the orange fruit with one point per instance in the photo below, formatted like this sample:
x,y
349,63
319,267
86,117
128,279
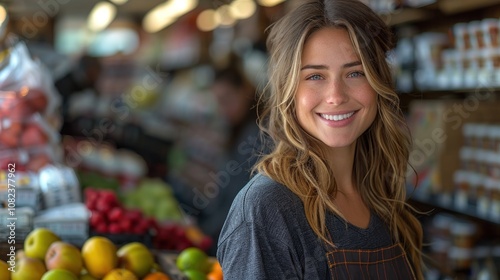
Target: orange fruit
x,y
215,272
216,267
99,256
214,276
156,276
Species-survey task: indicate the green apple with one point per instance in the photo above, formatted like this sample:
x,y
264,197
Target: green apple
x,y
65,256
59,274
136,257
38,241
28,269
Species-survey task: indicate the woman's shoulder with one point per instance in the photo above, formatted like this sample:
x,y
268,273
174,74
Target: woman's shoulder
x,y
263,207
262,191
261,200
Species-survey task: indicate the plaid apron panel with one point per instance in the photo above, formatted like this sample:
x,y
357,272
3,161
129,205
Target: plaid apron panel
x,y
388,263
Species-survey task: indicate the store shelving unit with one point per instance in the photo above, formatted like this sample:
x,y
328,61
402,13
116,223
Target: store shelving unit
x,y
441,16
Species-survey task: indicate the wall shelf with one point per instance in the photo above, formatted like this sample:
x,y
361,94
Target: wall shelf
x,y
471,212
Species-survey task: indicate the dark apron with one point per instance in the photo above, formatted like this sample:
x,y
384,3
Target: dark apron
x,y
387,263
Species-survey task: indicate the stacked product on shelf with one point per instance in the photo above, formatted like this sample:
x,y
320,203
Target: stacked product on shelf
x,y
459,245
477,182
470,59
33,179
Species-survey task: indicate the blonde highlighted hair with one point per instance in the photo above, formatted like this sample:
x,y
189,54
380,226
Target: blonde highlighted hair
x,y
297,160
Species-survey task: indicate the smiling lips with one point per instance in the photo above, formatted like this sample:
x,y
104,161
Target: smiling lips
x,y
337,117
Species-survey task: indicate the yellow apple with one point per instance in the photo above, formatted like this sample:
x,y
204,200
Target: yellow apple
x,y
136,257
59,274
38,241
120,274
64,255
28,269
99,256
87,277
4,271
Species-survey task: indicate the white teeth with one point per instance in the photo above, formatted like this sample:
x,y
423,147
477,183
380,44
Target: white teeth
x,y
337,117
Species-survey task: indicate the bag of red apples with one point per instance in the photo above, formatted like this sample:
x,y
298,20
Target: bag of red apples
x,y
29,111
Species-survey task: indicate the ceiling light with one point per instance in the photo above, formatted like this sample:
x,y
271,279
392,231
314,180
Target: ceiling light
x,y
101,16
207,20
269,3
242,9
119,2
167,13
223,16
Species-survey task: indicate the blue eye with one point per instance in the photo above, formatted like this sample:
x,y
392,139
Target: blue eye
x,y
314,77
356,74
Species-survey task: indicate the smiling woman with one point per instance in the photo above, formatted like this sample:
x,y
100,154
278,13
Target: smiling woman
x,y
328,200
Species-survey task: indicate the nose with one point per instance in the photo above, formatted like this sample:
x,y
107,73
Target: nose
x,y
336,93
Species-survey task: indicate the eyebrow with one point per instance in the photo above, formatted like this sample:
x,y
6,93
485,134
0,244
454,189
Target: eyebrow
x,y
322,66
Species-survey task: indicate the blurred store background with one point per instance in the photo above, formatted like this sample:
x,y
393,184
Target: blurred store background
x,y
146,109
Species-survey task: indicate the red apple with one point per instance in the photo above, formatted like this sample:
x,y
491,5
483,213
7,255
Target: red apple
x,y
134,214
10,133
126,225
33,135
116,214
65,256
96,218
37,100
109,197
115,228
103,206
101,228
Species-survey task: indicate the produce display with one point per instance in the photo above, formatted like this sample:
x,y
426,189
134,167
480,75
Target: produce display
x,y
111,217
46,257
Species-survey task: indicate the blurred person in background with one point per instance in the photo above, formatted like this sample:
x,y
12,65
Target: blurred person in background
x,y
235,99
84,76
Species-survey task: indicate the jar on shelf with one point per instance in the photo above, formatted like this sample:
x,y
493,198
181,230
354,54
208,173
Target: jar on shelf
x,y
492,135
460,258
467,161
462,186
440,248
480,255
462,36
491,32
468,134
484,196
440,226
493,161
496,138
476,182
495,201
471,68
464,233
476,34
481,132
496,66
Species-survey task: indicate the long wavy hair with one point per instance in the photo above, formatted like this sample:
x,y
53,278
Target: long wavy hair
x,y
297,160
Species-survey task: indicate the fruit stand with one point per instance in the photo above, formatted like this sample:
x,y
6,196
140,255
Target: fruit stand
x,y
78,209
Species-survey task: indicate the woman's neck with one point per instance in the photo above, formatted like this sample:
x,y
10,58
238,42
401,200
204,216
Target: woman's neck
x,y
341,161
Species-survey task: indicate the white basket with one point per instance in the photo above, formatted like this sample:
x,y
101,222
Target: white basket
x,y
69,222
22,222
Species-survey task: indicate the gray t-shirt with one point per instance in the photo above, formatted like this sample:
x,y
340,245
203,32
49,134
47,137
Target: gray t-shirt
x,y
266,236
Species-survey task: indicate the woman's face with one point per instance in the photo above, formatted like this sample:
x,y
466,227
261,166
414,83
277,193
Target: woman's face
x,y
334,101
